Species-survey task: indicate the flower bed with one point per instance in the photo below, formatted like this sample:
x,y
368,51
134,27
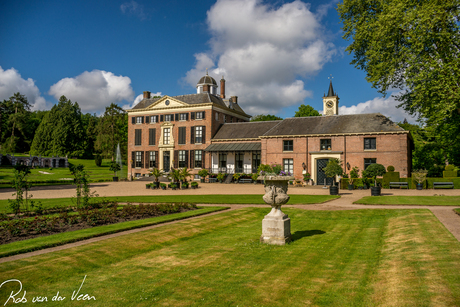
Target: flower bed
x,y
22,228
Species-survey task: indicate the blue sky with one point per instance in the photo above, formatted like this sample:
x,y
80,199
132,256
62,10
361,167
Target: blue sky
x,y
274,55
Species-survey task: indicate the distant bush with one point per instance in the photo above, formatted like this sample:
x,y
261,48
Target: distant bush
x,y
391,168
98,160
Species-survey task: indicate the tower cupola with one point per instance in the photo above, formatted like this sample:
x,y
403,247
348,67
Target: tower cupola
x,y
207,84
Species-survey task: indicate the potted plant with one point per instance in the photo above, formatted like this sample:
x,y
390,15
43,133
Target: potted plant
x,y
333,169
203,173
175,175
236,177
354,174
184,185
254,177
306,177
359,186
194,184
163,186
115,167
173,186
157,173
220,177
184,174
419,176
147,185
373,171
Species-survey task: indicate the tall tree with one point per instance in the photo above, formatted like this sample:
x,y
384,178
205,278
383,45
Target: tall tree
x,y
112,129
262,117
409,45
61,131
15,117
306,110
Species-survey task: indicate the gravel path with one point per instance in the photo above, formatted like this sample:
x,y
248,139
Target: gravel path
x,y
445,214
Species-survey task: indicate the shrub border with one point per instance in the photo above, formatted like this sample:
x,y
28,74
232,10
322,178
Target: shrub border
x,y
35,244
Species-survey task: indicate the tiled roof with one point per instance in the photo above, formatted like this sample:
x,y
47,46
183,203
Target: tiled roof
x,y
247,130
335,124
191,99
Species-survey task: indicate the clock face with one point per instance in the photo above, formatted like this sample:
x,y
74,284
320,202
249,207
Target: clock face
x,y
167,102
329,104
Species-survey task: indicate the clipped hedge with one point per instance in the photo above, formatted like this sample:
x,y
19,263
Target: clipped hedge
x,y
390,177
447,174
428,184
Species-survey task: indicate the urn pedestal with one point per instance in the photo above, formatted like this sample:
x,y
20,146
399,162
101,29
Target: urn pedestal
x,y
276,226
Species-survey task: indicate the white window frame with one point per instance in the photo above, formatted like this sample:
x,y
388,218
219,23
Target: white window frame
x,y
199,115
289,166
199,135
166,136
139,119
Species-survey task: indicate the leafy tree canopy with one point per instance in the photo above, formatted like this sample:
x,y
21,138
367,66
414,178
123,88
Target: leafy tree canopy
x,y
61,131
112,129
408,45
306,110
262,117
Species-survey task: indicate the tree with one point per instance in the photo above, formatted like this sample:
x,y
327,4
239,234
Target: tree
x,y
410,45
15,114
112,129
61,131
262,118
333,168
306,110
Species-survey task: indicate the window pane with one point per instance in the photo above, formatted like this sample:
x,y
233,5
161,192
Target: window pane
x,y
288,165
288,145
152,159
198,158
198,134
370,143
166,135
325,144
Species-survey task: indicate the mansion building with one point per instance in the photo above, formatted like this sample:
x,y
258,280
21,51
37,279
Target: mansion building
x,y
207,130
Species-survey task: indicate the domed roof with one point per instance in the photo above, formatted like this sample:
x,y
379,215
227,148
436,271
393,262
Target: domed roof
x,y
207,80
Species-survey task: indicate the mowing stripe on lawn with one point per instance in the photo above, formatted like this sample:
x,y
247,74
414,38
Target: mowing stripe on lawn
x,y
410,200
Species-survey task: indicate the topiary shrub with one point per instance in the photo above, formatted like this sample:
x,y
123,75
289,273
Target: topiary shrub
x,y
390,168
450,168
98,160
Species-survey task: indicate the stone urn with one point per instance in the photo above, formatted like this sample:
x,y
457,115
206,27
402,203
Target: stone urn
x,y
276,226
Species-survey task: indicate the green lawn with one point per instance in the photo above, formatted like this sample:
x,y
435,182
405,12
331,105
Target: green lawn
x,y
337,258
96,173
38,243
199,199
411,200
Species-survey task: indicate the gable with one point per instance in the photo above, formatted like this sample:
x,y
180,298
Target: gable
x,y
166,102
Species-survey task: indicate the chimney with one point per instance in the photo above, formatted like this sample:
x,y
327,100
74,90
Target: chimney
x,y
146,95
222,87
205,88
234,99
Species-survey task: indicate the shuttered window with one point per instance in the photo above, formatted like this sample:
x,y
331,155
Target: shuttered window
x,y
182,135
138,137
152,136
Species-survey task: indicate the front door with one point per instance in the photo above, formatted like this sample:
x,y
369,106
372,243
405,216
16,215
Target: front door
x,y
166,161
321,176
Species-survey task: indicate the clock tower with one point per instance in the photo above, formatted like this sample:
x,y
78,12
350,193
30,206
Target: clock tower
x,y
330,102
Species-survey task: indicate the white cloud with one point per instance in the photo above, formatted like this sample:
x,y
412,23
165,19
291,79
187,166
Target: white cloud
x,y
138,99
94,90
263,51
11,82
133,8
385,106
